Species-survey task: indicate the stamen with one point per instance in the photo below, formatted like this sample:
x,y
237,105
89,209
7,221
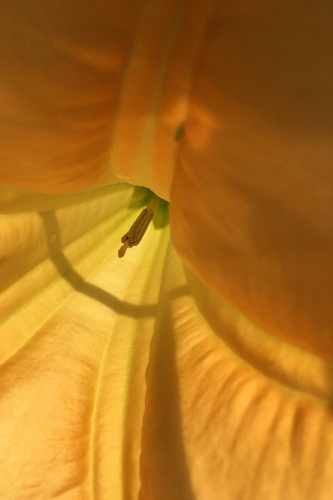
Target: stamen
x,y
139,227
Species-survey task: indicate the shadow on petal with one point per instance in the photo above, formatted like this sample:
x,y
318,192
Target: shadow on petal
x,y
66,270
165,470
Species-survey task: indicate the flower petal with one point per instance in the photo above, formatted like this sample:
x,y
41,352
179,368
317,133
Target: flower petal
x,y
95,93
222,406
213,423
75,328
252,203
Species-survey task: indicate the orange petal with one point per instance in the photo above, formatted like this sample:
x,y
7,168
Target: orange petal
x,y
252,202
223,404
94,94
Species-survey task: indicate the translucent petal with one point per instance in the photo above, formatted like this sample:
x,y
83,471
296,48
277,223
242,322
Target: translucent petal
x,y
128,378
75,327
220,424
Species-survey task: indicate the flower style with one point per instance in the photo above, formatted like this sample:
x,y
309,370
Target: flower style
x,y
199,366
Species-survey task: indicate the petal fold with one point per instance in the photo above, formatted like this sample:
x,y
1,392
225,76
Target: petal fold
x,y
252,204
128,378
95,95
217,427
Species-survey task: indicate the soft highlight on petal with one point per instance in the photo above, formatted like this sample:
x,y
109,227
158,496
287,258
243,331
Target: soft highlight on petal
x,y
75,328
93,94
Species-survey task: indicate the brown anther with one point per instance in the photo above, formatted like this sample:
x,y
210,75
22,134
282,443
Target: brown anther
x,y
139,227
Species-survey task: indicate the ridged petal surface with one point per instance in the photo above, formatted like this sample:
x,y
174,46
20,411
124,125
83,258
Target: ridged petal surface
x,y
76,325
129,379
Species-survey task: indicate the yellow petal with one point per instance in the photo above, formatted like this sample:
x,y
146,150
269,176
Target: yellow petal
x,y
75,328
216,426
223,405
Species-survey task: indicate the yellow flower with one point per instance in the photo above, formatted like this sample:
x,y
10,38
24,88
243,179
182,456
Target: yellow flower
x,y
199,366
